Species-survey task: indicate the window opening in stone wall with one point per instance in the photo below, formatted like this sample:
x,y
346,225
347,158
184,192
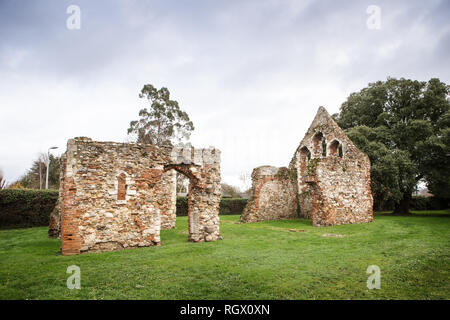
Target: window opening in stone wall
x,y
121,187
324,147
336,149
317,143
305,157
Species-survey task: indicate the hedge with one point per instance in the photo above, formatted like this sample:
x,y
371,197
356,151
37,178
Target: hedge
x,y
32,208
418,203
29,208
26,207
232,205
227,206
429,203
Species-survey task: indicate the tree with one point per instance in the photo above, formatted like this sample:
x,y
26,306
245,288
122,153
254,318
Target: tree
x,y
164,122
3,183
246,180
182,183
230,191
403,126
35,176
16,185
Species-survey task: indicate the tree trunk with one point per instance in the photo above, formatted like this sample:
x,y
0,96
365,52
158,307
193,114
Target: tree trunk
x,y
402,208
40,175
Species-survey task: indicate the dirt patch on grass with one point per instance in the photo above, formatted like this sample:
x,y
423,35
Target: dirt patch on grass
x,y
333,235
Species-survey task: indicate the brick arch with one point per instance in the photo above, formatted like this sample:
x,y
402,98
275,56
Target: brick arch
x,y
203,195
260,186
185,169
273,195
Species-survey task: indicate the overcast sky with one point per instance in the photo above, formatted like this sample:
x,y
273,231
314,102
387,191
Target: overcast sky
x,y
250,74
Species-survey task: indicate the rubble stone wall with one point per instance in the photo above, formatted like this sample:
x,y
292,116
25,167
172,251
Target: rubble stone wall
x,y
333,175
274,195
120,195
341,194
331,181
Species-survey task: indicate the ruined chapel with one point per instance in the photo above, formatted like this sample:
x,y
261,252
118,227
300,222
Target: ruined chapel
x,y
327,180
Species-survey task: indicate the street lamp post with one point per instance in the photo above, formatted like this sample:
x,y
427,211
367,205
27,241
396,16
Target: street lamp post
x,y
48,163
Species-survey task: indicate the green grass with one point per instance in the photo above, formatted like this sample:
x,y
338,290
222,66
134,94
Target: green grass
x,y
254,261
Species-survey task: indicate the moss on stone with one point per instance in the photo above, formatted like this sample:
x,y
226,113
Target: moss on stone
x,y
311,167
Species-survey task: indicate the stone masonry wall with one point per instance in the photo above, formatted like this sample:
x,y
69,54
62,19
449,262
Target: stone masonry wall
x,y
274,195
202,167
119,195
169,207
331,181
333,175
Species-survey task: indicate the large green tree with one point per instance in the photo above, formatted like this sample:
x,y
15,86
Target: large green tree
x,y
403,126
163,122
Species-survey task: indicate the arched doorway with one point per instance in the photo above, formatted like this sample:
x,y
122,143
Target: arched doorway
x,y
203,200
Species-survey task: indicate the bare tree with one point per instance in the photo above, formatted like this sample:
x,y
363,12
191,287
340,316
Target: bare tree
x,y
42,160
182,183
3,183
246,180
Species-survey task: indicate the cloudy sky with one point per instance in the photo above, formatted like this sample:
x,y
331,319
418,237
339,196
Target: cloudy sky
x,y
251,74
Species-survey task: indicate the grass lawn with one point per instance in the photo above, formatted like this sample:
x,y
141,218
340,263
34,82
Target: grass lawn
x,y
263,260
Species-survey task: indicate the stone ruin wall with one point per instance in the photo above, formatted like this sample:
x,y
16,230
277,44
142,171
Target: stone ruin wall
x,y
274,195
168,188
119,195
332,180
334,183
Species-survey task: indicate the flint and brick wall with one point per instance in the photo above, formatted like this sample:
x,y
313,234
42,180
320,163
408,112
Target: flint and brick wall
x,y
120,195
331,181
274,195
333,175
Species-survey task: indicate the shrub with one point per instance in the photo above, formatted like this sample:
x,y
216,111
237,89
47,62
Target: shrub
x,y
429,203
417,203
227,206
26,207
182,206
232,205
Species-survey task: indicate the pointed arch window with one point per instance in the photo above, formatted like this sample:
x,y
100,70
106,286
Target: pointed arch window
x,y
318,144
305,156
335,149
